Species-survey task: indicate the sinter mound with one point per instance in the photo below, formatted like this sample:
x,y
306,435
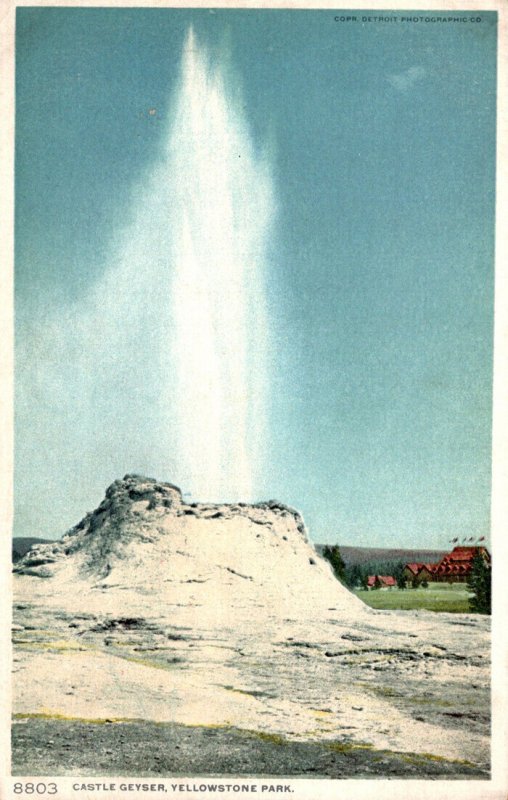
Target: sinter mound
x,y
143,539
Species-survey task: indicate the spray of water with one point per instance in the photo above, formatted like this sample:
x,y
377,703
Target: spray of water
x,y
220,219
162,367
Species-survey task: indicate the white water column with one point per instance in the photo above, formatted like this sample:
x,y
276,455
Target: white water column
x,y
220,216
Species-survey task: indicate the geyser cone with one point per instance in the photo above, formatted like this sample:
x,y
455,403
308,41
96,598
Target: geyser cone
x,y
145,550
221,207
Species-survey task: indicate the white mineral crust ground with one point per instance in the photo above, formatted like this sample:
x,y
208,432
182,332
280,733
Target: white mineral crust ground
x,y
224,615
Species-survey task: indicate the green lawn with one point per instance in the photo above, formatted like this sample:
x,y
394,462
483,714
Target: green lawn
x,y
436,597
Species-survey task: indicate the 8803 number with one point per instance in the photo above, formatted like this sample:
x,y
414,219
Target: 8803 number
x,y
35,788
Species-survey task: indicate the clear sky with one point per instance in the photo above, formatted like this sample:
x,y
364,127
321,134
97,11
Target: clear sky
x,y
381,139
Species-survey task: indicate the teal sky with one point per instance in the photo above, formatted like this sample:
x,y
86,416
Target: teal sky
x,y
382,142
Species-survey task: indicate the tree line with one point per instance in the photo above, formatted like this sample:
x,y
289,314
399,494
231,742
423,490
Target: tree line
x,y
354,576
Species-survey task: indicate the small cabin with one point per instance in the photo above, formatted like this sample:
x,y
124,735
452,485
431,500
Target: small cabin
x,y
381,582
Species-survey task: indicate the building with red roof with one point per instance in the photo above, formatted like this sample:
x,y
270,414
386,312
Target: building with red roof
x,y
457,565
412,571
454,567
381,582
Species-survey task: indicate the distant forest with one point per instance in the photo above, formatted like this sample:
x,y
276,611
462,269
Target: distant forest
x,y
352,565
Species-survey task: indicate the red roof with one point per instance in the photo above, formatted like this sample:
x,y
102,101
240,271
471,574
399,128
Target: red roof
x,y
467,553
415,568
384,580
458,562
451,568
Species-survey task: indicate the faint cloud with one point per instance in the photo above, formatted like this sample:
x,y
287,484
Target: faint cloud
x,y
405,80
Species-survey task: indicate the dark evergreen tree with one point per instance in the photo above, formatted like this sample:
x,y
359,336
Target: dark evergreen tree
x,y
398,574
332,554
354,576
480,583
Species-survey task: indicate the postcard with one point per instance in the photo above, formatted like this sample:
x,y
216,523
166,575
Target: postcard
x,y
253,361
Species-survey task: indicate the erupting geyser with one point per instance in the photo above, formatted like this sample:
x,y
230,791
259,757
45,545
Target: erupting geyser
x,y
160,365
221,208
